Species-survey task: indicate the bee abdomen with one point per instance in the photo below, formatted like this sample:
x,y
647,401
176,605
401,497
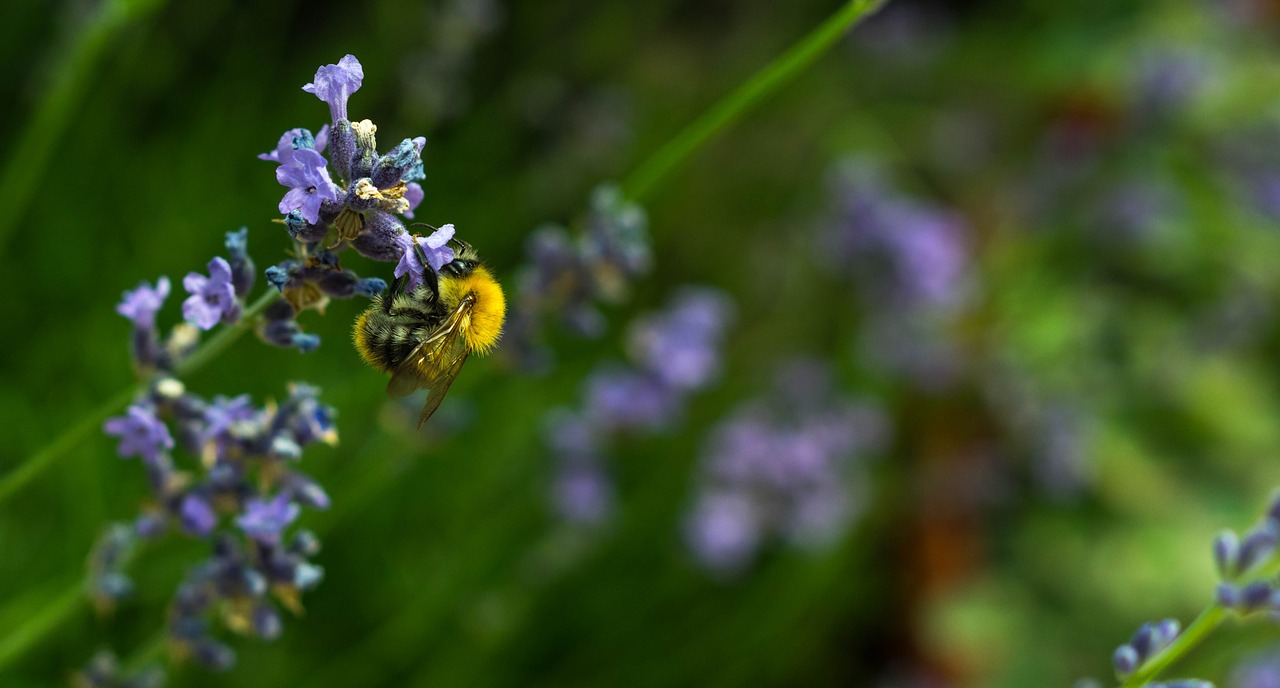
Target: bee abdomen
x,y
384,344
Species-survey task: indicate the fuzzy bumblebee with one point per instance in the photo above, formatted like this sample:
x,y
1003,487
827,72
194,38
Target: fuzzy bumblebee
x,y
423,338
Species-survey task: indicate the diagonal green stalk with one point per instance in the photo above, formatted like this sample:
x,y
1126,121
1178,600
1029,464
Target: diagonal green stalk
x,y
58,104
777,73
37,463
40,624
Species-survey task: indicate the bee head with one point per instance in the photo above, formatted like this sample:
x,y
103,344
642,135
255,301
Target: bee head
x,y
465,260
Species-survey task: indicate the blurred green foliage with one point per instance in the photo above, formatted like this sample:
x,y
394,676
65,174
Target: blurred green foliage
x,y
444,565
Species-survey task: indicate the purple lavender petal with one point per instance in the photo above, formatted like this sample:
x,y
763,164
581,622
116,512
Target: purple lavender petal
x,y
213,299
141,434
140,305
265,520
334,84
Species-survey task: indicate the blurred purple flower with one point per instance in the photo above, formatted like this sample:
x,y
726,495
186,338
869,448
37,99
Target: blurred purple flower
x,y
197,515
583,493
334,84
306,174
1259,671
723,530
902,250
778,468
621,399
681,345
141,434
213,298
141,305
265,520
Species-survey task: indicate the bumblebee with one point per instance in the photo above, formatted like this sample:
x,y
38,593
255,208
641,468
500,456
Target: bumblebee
x,y
423,338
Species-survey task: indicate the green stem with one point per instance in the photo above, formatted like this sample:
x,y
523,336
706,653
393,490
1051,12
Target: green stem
x,y
1193,635
764,82
40,624
57,105
36,464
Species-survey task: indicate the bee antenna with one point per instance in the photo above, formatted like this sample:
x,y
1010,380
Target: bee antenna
x,y
424,224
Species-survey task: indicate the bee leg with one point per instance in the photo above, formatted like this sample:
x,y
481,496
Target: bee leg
x,y
395,288
430,277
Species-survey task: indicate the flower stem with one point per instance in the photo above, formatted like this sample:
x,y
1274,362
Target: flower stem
x,y
40,624
58,104
36,464
775,74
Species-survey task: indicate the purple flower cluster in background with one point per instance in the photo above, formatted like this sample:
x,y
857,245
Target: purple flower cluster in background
x,y
568,276
782,466
355,198
1261,670
673,353
910,265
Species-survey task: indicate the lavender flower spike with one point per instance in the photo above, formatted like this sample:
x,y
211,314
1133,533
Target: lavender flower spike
x,y
213,298
437,253
140,433
142,304
264,521
307,177
334,84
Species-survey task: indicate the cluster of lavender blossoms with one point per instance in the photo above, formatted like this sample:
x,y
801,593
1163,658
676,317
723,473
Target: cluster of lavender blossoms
x,y
782,466
240,489
568,276
911,266
673,353
355,198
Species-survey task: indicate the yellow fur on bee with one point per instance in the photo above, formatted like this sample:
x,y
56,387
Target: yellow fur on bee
x,y
487,314
362,343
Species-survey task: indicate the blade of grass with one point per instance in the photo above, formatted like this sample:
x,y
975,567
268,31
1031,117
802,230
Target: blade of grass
x,y
777,73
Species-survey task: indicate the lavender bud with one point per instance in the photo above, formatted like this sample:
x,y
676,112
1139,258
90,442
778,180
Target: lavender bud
x,y
307,576
306,343
1143,641
242,269
266,622
342,147
1255,596
384,238
1226,554
305,544
1166,631
1227,595
278,275
1125,660
213,654
370,287
339,284
1257,545
255,584
150,525
393,167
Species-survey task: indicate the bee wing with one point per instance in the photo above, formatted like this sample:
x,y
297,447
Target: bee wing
x,y
434,363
